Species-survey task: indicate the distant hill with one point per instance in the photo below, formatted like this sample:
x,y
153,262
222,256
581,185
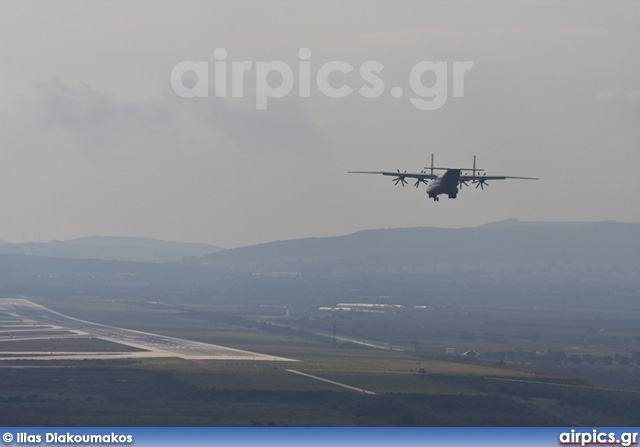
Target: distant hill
x,y
501,245
112,248
90,279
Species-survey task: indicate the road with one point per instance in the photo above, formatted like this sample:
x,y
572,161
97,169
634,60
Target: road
x,y
25,315
343,385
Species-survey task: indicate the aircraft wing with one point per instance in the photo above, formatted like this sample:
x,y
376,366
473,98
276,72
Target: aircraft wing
x,y
481,180
466,178
400,177
420,176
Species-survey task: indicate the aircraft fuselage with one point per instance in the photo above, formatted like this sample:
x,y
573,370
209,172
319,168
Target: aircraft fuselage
x,y
447,184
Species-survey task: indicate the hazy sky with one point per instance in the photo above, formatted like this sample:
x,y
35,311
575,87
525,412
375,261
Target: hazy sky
x,y
94,140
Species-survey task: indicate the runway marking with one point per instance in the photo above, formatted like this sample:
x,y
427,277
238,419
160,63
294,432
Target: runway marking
x,y
169,346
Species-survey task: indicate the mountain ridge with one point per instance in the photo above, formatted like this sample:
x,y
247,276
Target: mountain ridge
x,y
504,243
112,248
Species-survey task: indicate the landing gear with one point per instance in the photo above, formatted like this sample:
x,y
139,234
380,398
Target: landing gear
x,y
453,196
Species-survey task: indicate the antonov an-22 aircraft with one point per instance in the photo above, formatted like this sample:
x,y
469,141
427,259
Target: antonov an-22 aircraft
x,y
448,182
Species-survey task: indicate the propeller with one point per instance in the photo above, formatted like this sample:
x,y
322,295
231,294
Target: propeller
x,y
400,178
463,183
420,180
481,182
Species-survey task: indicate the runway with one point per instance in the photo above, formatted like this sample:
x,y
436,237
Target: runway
x,y
21,319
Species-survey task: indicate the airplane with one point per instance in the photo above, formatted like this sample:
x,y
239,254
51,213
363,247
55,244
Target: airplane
x,y
448,182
